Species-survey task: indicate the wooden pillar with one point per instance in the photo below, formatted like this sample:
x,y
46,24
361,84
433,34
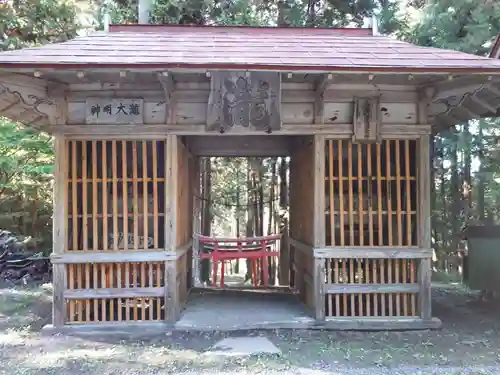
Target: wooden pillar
x,y
59,231
424,225
319,225
171,291
196,223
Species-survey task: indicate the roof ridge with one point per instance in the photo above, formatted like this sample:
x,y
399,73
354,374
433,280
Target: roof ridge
x,y
151,28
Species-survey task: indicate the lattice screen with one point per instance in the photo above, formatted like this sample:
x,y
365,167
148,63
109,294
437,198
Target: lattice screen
x,y
116,195
371,199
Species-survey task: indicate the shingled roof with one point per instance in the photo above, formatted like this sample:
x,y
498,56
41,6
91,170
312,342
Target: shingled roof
x,y
236,47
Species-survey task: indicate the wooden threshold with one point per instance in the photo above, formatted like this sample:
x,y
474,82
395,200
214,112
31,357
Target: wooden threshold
x,y
145,328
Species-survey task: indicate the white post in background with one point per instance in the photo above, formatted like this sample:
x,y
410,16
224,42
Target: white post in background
x,y
143,8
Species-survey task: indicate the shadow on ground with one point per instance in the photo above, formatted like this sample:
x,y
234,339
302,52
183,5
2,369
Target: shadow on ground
x,y
469,337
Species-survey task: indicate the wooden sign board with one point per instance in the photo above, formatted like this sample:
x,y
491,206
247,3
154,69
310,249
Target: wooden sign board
x,y
246,100
114,111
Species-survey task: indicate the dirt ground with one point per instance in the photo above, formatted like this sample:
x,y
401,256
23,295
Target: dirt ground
x,y
468,343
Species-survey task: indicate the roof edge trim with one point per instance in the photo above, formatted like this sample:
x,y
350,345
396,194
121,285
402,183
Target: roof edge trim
x,y
255,67
157,28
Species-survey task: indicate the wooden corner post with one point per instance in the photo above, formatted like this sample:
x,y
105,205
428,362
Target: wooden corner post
x,y
196,223
424,225
171,294
59,232
319,225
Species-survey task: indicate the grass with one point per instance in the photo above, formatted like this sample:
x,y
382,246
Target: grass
x,y
470,337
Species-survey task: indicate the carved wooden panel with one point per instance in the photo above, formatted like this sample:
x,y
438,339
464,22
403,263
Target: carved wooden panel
x,y
367,119
244,100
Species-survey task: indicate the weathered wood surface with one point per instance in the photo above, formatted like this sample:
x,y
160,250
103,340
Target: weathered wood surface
x,y
114,293
360,252
114,111
424,226
173,98
343,323
26,99
188,105
244,99
367,119
300,246
257,145
78,257
370,288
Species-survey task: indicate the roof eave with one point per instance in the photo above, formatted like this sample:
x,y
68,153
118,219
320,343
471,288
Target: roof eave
x,y
277,67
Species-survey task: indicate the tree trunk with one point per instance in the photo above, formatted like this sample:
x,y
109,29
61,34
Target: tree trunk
x,y
250,224
444,208
467,178
206,214
272,190
455,184
284,271
434,208
480,211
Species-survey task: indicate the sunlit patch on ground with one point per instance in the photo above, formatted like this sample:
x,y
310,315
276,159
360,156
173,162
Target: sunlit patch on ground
x,y
470,337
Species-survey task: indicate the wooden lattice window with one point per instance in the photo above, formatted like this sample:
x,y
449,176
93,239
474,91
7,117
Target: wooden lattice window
x,y
371,193
115,195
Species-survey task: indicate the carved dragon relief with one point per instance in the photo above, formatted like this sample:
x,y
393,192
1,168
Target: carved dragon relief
x,y
244,100
444,106
43,107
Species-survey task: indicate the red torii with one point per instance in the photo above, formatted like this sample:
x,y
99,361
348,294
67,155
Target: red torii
x,y
222,249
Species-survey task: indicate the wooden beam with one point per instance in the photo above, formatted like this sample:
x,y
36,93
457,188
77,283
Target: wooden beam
x,y
114,293
59,230
80,257
319,239
195,273
171,186
334,323
184,249
373,253
325,81
168,85
379,323
258,145
370,288
367,120
471,114
337,131
319,191
424,225
300,246
484,104
493,89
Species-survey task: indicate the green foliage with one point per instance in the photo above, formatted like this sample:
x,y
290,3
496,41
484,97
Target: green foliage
x,y
34,22
26,166
463,25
